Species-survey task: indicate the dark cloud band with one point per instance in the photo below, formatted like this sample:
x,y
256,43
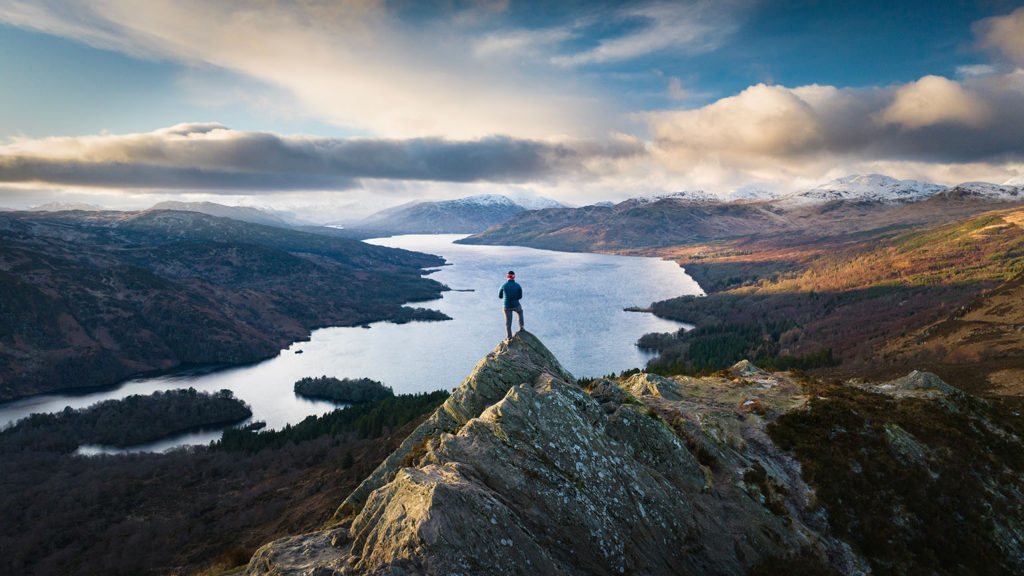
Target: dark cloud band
x,y
214,158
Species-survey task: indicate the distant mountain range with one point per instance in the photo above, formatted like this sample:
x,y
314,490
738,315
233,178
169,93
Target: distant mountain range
x,y
461,216
467,215
849,204
864,188
876,188
714,213
63,206
243,213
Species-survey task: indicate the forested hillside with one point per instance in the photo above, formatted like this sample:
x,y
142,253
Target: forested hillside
x,y
190,509
87,299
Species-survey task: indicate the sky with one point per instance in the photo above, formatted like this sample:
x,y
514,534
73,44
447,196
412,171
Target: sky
x,y
333,109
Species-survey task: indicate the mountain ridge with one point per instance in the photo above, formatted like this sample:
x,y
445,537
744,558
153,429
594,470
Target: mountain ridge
x,y
847,205
522,471
466,215
243,213
525,470
863,188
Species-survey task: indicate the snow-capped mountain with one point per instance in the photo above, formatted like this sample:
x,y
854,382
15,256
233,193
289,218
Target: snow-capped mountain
x,y
460,216
699,196
750,192
479,200
63,206
875,188
694,196
985,191
532,202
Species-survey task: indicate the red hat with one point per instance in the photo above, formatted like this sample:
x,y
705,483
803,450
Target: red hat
x,y
511,274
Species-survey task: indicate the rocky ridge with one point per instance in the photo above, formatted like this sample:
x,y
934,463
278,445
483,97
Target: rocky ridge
x,y
863,188
523,471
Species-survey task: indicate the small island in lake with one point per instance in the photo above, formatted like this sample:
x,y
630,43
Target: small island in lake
x,y
353,391
130,421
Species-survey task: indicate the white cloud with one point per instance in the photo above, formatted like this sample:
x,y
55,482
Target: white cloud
x,y
694,27
934,100
468,99
520,43
761,120
676,90
975,70
351,63
800,135
1004,34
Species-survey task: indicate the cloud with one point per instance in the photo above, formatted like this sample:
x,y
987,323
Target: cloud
x,y
934,100
775,133
694,27
761,120
1003,34
520,43
975,70
676,90
475,96
209,156
353,63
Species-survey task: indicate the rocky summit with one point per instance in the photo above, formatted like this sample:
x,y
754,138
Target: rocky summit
x,y
524,470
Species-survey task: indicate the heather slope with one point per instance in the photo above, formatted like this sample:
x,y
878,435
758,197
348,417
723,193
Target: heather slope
x,y
792,297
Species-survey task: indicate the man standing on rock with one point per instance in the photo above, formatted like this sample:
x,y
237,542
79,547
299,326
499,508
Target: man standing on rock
x,y
511,293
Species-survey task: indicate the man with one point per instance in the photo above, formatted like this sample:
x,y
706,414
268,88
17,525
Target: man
x,y
511,293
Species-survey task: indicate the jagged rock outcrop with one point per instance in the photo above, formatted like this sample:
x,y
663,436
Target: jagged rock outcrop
x,y
522,471
489,381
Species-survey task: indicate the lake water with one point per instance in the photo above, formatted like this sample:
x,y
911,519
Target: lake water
x,y
573,302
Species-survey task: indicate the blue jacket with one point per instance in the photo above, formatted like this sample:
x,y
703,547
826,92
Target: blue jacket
x,y
511,292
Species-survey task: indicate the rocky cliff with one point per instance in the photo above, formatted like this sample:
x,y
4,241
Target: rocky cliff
x,y
523,471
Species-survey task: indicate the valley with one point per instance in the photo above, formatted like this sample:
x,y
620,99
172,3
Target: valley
x,y
772,267
847,301
843,285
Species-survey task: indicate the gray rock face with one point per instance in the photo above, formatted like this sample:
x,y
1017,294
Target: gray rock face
x,y
522,471
523,360
924,381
